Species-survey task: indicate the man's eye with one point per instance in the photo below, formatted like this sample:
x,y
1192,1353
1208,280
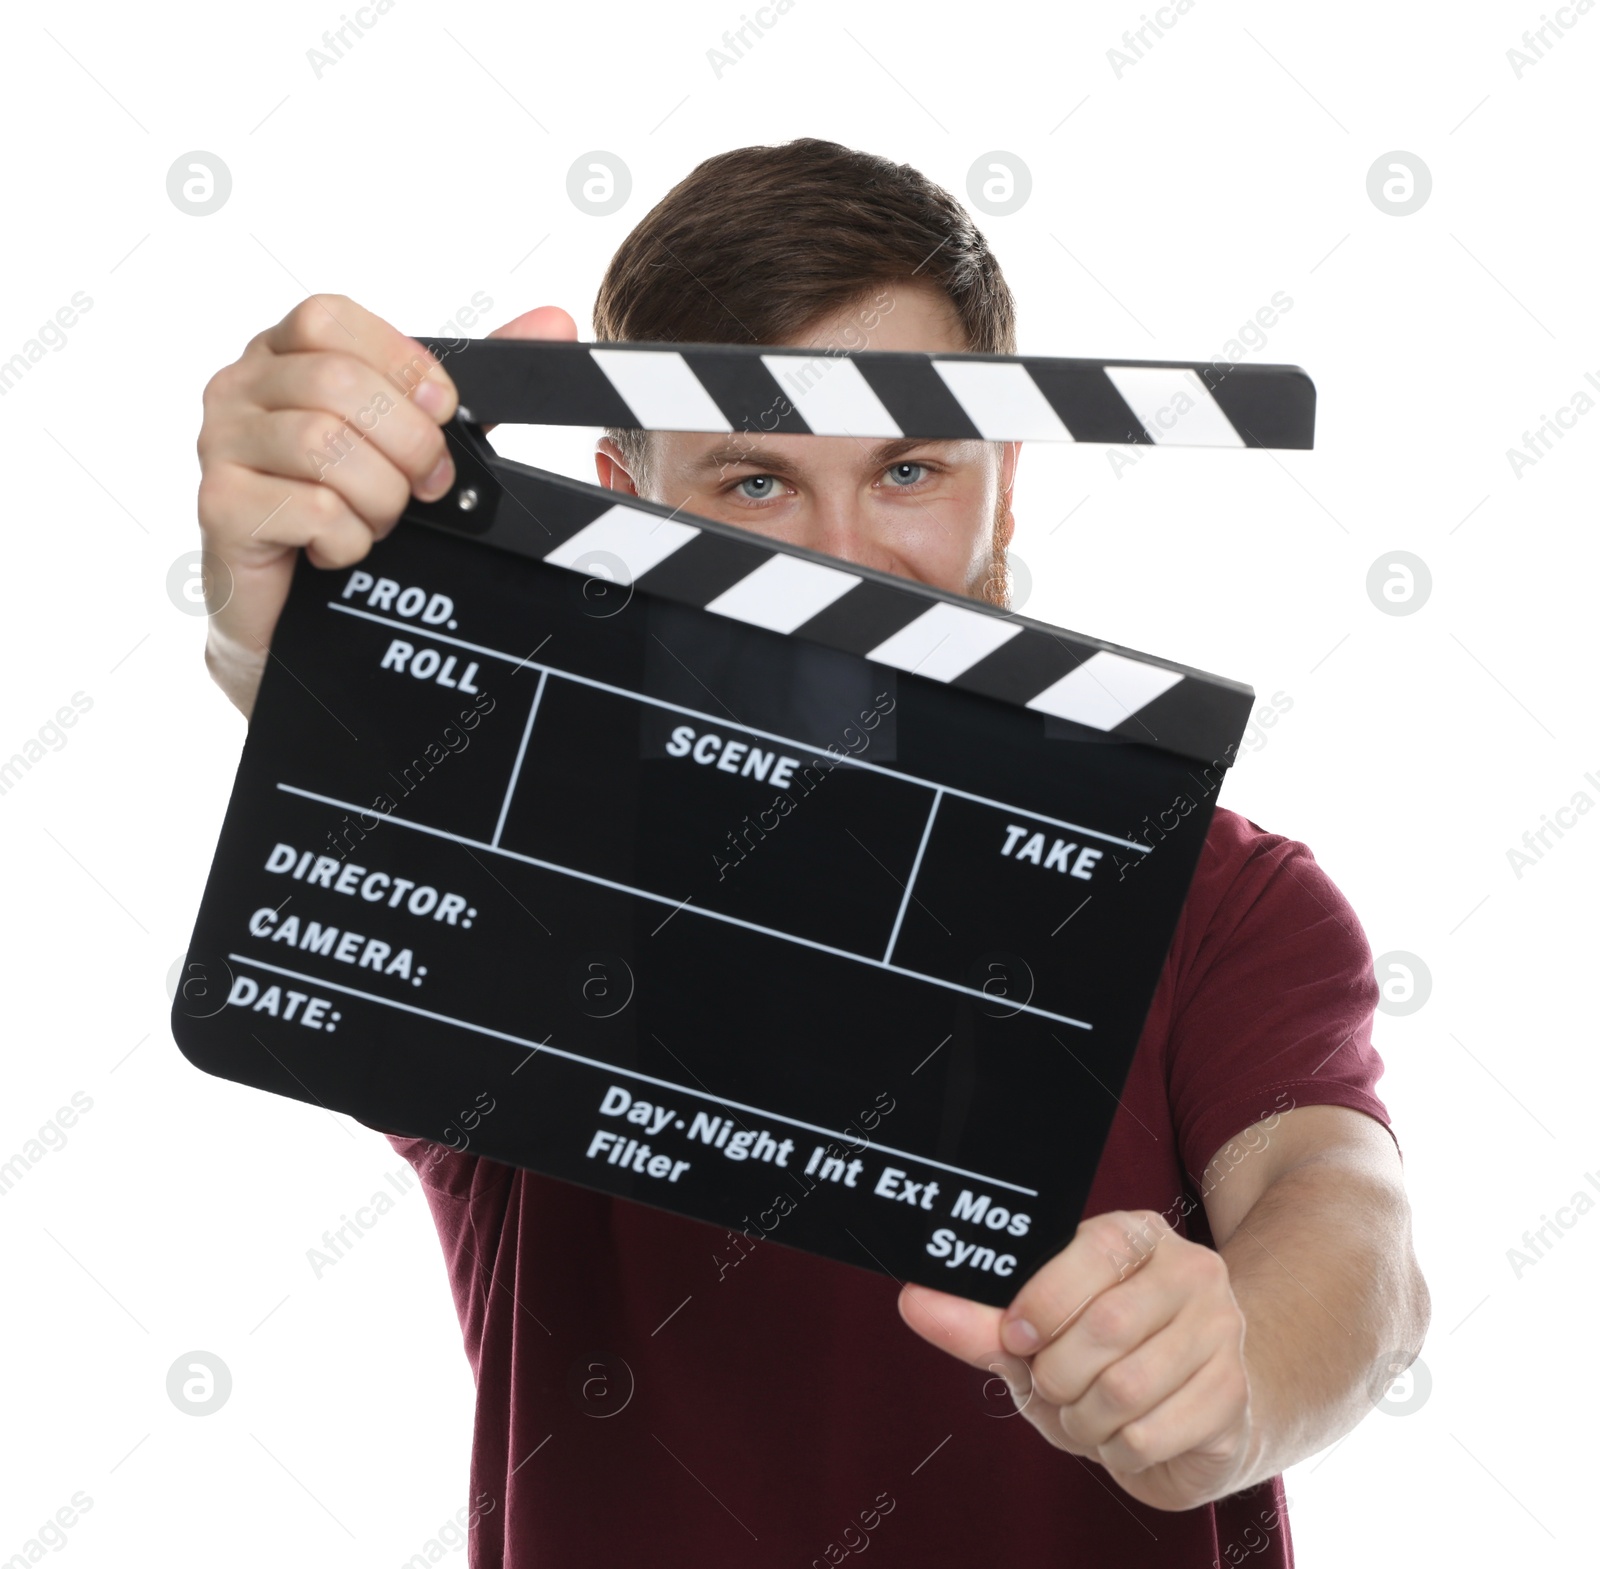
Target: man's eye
x,y
904,474
757,487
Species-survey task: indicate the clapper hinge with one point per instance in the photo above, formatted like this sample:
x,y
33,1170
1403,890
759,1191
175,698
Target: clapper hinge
x,y
470,504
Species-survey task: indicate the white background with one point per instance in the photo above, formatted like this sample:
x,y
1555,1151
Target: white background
x,y
1167,205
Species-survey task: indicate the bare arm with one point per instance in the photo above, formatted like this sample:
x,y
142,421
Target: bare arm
x,y
1334,1302
1192,1372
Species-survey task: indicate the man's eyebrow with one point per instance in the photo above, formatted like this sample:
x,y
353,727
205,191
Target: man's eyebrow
x,y
720,458
730,457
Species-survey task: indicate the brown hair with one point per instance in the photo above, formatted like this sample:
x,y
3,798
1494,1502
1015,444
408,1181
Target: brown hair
x,y
758,244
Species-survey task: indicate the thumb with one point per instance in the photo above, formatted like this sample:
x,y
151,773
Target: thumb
x,y
969,1331
543,321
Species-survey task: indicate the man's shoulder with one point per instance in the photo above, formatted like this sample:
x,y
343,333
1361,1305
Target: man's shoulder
x,y
1235,836
1235,844
1247,873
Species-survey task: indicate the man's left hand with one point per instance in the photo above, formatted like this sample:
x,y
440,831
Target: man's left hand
x,y
1128,1348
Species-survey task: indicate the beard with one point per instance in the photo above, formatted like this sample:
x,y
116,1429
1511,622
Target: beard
x,y
992,581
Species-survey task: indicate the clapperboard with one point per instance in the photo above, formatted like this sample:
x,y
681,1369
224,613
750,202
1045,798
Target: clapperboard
x,y
711,872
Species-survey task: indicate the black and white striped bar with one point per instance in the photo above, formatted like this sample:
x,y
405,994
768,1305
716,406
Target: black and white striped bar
x,y
960,642
874,393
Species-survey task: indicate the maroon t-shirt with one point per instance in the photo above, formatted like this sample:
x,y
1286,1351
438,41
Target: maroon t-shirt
x,y
649,1393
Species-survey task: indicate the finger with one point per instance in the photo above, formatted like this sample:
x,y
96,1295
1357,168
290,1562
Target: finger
x,y
254,515
1126,1390
365,401
967,1330
308,445
1105,1250
543,321
335,324
1201,1420
1116,1323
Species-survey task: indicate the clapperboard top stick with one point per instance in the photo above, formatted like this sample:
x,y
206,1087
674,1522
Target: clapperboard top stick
x,y
827,392
611,535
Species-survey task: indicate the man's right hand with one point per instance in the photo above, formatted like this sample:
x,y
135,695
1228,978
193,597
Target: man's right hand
x,y
315,437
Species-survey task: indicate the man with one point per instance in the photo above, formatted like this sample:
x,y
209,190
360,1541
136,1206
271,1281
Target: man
x,y
1243,1285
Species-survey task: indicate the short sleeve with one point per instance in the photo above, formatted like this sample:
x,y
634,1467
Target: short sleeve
x,y
471,1200
456,1176
1274,1002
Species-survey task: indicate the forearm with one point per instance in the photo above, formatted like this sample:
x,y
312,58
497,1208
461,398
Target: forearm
x,y
1323,1270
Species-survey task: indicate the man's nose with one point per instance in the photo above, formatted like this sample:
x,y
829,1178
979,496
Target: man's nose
x,y
837,525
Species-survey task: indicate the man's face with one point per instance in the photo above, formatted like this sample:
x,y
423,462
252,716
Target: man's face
x,y
935,511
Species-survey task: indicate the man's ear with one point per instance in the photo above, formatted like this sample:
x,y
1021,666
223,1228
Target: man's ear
x,y
611,467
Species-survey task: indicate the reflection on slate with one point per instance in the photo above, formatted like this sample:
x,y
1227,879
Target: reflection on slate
x,y
1064,730
820,698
